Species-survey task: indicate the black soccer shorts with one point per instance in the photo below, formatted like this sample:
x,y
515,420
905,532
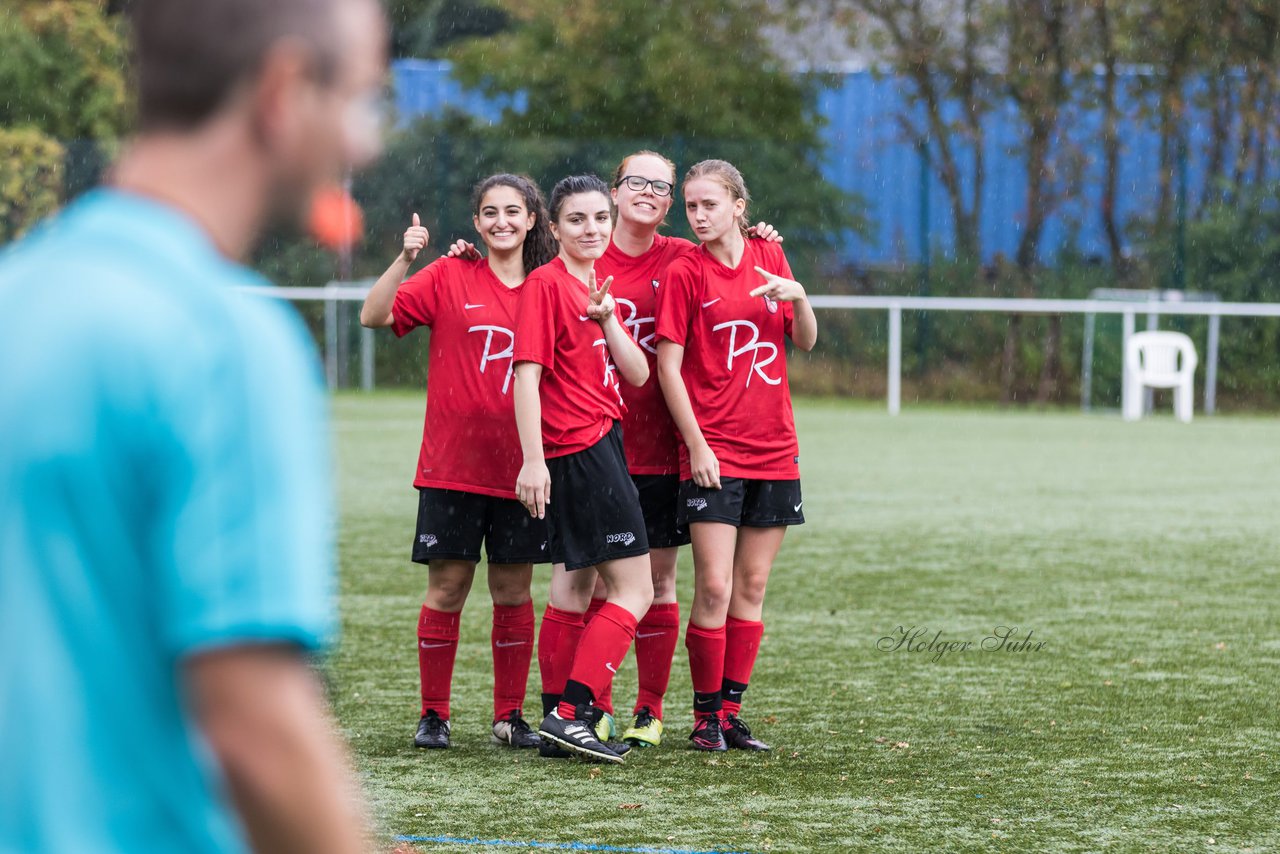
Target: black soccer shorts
x,y
742,502
594,514
452,525
659,494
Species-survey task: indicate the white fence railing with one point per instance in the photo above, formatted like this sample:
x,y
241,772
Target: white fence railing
x,y
335,293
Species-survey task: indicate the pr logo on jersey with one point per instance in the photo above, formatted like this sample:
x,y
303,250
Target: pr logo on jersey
x,y
428,540
634,324
504,349
609,368
626,538
754,346
697,503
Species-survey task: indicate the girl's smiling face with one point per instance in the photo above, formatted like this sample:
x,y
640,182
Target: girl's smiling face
x,y
502,220
645,206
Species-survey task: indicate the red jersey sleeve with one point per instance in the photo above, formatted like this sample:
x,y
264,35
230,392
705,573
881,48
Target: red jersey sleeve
x,y
417,299
675,301
536,323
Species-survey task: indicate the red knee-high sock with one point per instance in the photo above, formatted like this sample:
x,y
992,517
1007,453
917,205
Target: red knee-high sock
x,y
742,643
605,700
557,639
655,647
437,648
604,645
512,641
706,666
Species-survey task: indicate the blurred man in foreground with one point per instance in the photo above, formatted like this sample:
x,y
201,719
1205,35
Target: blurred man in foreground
x,y
165,543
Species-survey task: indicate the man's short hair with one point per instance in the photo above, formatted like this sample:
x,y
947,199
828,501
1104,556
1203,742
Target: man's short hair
x,y
190,55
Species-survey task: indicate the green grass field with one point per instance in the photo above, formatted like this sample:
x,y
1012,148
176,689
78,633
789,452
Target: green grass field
x,y
1143,556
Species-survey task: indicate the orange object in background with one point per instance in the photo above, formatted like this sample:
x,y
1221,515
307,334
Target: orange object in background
x,y
335,221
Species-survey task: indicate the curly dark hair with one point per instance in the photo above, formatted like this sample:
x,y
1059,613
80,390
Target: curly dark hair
x,y
539,246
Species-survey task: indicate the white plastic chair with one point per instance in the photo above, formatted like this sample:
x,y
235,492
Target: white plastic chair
x,y
1159,360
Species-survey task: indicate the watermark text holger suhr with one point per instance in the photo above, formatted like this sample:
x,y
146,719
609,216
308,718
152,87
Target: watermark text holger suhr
x,y
932,643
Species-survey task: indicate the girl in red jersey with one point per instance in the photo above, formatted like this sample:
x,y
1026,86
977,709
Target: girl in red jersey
x,y
723,314
569,349
470,453
636,260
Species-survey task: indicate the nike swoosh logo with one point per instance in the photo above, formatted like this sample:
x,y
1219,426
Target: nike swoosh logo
x,y
583,317
650,634
426,645
472,305
505,644
798,506
609,664
711,303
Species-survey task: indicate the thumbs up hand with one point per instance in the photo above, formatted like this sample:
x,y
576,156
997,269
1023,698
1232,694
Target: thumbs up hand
x,y
415,239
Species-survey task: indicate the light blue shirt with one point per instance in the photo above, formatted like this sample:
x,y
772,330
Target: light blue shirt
x,y
164,489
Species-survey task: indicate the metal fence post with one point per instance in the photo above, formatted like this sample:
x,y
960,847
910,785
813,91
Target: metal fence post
x,y
366,358
895,358
331,336
1126,380
1211,365
1086,363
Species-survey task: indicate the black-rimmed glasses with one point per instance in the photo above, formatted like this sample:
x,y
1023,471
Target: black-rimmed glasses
x,y
637,184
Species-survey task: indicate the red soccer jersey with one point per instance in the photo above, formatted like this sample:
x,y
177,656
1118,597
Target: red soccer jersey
x,y
579,391
735,360
469,439
648,433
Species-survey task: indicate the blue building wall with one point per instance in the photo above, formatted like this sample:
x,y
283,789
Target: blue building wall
x,y
870,153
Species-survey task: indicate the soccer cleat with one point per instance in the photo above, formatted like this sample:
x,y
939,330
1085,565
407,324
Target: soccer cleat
x,y
432,731
707,735
577,735
550,750
646,731
738,735
606,727
512,730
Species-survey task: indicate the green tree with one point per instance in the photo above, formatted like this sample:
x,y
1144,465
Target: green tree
x,y
30,179
693,79
634,68
62,75
422,28
62,69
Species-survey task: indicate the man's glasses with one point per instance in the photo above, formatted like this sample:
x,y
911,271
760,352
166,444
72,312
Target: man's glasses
x,y
637,184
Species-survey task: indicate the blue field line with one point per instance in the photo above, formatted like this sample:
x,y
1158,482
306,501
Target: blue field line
x,y
560,846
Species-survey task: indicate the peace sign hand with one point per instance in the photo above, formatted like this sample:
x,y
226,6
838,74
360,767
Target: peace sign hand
x,y
599,304
415,240
779,288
